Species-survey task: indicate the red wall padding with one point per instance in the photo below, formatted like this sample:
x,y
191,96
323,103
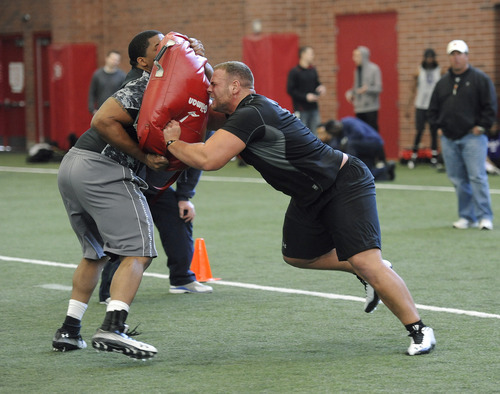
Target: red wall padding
x,y
270,57
378,32
71,69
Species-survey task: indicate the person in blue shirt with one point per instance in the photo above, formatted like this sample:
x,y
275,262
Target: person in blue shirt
x,y
358,138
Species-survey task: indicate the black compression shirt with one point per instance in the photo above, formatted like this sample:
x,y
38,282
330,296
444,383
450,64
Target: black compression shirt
x,y
287,155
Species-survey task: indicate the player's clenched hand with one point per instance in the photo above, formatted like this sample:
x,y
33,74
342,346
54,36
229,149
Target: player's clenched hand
x,y
197,46
172,131
156,162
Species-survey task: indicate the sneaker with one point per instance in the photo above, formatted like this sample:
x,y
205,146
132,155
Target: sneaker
x,y
411,164
422,342
440,167
192,287
492,169
116,341
63,342
485,224
372,298
463,224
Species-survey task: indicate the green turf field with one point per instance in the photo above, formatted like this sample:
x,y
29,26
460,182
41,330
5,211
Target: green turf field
x,y
268,327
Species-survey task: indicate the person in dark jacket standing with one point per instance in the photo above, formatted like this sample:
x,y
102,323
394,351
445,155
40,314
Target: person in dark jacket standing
x,y
105,81
304,88
463,108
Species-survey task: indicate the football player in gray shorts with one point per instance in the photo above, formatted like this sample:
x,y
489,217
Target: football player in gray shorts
x,y
108,211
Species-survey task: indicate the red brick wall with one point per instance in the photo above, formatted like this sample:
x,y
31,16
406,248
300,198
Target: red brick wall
x,y
222,24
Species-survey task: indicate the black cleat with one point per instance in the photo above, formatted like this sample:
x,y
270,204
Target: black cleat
x,y
63,342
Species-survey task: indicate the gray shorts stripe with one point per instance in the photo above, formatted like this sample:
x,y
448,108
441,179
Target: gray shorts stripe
x,y
105,205
141,210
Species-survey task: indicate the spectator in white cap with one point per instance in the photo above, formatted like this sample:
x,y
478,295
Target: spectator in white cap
x,y
463,108
457,45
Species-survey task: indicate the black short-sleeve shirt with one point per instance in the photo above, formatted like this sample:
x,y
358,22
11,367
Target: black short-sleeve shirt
x,y
287,155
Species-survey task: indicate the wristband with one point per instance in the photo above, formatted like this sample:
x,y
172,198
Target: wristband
x,y
170,142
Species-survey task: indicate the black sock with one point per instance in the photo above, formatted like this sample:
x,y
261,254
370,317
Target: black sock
x,y
72,326
114,321
107,321
118,320
415,328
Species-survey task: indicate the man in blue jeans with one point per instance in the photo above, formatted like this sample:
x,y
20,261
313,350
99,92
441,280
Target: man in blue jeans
x,y
463,108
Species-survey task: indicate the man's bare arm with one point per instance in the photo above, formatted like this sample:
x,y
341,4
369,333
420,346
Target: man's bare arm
x,y
212,155
110,122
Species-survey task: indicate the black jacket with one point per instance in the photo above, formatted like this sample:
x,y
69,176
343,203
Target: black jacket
x,y
460,102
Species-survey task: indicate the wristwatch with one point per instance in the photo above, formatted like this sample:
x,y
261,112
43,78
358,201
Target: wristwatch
x,y
170,142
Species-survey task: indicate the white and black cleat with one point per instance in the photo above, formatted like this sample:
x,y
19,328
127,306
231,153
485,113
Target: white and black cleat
x,y
422,342
119,342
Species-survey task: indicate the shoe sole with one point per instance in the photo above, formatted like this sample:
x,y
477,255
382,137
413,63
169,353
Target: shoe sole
x,y
426,351
185,291
104,344
65,347
136,354
62,344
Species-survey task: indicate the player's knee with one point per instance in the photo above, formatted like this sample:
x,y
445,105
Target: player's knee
x,y
146,262
298,263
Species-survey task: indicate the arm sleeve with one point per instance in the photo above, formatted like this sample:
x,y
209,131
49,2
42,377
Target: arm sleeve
x,y
292,88
318,82
433,110
488,103
375,85
185,187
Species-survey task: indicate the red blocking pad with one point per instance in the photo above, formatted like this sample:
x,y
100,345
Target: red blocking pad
x,y
177,90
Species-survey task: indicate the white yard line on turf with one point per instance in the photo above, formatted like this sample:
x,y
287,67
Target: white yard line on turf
x,y
29,170
258,287
210,178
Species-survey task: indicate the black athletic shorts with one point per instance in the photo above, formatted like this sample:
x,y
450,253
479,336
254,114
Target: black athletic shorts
x,y
345,217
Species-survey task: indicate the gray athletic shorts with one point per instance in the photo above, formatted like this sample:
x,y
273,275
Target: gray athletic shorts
x,y
105,206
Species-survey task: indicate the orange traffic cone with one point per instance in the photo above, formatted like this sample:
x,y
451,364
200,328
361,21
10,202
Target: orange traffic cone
x,y
200,264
